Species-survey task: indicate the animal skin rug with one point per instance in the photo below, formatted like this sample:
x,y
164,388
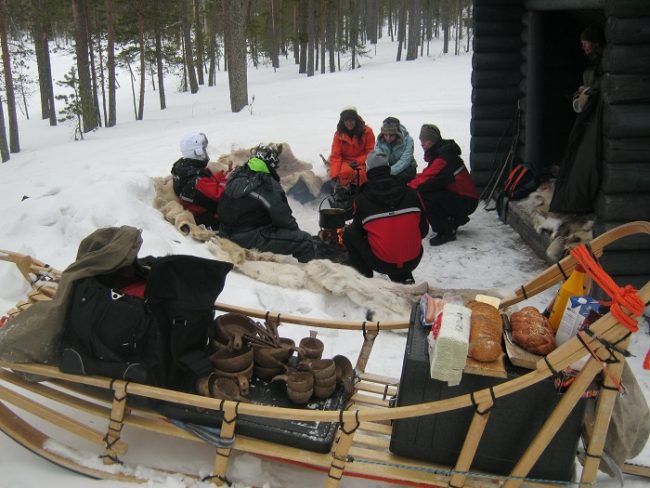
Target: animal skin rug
x,y
564,231
381,299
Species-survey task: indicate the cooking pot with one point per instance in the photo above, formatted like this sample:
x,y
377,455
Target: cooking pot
x,y
330,218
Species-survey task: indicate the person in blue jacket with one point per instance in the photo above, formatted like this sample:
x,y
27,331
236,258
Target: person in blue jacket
x,y
395,141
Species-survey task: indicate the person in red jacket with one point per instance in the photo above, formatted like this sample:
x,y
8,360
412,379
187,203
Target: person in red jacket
x,y
352,142
388,225
197,188
445,186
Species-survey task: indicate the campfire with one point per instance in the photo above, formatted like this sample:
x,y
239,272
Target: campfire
x,y
332,237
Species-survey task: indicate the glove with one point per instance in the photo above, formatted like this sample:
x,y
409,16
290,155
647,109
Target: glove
x,y
580,99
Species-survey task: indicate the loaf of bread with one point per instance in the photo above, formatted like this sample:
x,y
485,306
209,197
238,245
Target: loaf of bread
x,y
531,330
485,334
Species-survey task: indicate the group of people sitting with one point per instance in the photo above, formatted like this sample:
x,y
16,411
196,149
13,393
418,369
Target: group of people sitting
x,y
393,205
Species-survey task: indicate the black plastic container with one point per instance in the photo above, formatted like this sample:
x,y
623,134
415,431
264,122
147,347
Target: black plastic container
x,y
513,422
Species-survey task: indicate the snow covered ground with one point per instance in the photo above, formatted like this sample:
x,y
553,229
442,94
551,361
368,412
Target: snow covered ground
x,y
56,191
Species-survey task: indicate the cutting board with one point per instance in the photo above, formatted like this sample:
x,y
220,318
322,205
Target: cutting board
x,y
495,368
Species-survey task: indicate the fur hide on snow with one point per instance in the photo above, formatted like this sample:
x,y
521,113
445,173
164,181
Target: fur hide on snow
x,y
381,299
293,172
565,231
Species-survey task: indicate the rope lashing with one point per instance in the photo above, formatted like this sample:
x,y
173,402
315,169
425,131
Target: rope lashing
x,y
625,298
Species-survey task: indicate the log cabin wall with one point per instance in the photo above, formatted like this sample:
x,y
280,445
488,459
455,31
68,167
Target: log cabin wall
x,y
527,55
625,189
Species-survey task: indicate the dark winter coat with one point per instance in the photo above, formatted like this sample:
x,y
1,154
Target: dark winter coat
x,y
254,199
446,170
255,213
198,189
580,175
390,215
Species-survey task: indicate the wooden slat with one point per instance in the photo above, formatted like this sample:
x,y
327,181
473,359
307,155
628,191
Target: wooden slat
x,y
377,378
388,390
57,419
369,400
376,427
372,441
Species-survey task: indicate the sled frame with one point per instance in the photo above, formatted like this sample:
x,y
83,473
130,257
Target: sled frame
x,y
361,446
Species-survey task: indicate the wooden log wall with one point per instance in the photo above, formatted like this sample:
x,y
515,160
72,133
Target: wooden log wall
x,y
625,190
496,77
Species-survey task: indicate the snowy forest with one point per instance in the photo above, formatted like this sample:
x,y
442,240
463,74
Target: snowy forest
x,y
191,40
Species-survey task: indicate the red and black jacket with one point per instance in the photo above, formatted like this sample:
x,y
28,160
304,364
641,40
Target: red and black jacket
x,y
197,188
446,170
391,216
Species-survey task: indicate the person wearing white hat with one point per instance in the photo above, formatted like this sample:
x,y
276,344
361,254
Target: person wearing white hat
x,y
197,188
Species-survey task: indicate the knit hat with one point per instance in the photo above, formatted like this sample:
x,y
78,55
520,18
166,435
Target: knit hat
x,y
390,125
269,153
349,113
430,132
376,158
593,33
193,146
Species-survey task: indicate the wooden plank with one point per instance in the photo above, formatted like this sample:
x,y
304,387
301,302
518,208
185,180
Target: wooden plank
x,y
376,427
372,441
370,400
377,378
384,390
57,419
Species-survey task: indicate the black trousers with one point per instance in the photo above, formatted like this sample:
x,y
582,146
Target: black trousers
x,y
446,211
365,262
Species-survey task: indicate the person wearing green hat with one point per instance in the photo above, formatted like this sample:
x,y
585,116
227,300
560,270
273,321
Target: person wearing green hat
x,y
254,210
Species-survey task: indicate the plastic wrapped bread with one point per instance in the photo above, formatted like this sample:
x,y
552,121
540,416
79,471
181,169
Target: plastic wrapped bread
x,y
448,355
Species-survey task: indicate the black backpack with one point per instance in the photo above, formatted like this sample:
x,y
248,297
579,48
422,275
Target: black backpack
x,y
181,292
161,339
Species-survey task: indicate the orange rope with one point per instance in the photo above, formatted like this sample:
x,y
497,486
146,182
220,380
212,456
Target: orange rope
x,y
625,298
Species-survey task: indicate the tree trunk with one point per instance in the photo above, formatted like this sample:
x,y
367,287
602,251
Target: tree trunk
x,y
311,37
4,148
401,29
372,20
198,35
88,112
14,142
143,66
331,32
273,37
415,20
237,76
446,17
212,44
159,57
226,36
303,36
187,36
42,48
321,35
37,33
110,62
354,31
93,72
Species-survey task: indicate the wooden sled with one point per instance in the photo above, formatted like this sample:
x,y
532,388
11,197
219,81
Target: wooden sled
x,y
361,448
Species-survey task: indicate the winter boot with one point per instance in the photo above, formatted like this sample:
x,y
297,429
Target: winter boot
x,y
443,237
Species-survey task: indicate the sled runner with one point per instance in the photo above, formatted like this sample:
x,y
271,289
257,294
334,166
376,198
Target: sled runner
x,y
99,411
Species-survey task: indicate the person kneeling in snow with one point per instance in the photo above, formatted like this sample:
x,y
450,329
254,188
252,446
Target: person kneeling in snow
x,y
254,210
388,225
195,185
445,186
